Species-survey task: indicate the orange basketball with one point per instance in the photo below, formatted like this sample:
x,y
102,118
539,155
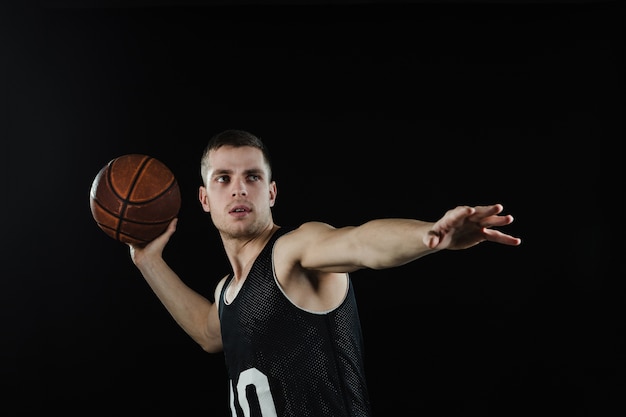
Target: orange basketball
x,y
133,198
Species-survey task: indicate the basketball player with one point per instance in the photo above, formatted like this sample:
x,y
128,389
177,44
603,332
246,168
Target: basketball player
x,y
285,316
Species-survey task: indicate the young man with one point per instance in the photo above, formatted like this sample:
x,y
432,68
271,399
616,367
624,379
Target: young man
x,y
286,317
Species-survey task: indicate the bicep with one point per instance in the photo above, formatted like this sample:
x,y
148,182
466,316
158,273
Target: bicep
x,y
322,247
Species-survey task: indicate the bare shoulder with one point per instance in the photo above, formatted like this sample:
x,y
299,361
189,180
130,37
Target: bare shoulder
x,y
292,245
218,287
313,229
306,233
304,269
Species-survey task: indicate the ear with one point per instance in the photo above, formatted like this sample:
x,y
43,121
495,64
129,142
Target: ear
x,y
273,193
204,199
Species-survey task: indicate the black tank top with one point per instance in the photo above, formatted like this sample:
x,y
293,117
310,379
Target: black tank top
x,y
288,362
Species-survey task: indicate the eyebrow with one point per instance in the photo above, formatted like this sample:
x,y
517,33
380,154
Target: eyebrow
x,y
253,171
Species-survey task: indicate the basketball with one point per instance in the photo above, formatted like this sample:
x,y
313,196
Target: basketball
x,y
133,198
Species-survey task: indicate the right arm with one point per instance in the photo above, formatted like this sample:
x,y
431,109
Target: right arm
x,y
194,313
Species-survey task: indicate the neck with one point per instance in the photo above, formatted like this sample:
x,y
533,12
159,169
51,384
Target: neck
x,y
242,252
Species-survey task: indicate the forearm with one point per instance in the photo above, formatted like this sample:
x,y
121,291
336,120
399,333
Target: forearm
x,y
386,243
189,309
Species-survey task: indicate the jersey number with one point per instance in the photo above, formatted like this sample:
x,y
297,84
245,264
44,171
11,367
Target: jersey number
x,y
261,384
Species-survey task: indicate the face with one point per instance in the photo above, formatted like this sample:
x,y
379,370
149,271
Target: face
x,y
237,192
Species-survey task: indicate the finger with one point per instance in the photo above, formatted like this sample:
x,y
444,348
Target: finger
x,y
499,237
495,221
486,211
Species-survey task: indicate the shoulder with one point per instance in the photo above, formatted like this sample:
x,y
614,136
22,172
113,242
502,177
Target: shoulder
x,y
297,241
218,288
312,228
304,233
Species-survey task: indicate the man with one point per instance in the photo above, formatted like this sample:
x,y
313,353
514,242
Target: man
x,y
286,316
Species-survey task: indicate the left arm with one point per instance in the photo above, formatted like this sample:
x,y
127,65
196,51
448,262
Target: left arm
x,y
386,243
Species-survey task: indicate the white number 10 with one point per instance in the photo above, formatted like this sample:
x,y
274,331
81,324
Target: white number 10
x,y
253,377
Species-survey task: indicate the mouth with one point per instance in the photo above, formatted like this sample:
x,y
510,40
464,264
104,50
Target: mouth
x,y
240,210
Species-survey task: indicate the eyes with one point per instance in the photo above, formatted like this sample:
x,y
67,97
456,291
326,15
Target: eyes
x,y
224,179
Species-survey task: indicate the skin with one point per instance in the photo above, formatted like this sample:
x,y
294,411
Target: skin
x,y
311,262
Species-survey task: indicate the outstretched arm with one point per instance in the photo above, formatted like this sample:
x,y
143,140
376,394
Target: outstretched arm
x,y
192,311
386,243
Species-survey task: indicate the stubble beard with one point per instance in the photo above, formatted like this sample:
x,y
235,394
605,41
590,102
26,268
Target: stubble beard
x,y
243,229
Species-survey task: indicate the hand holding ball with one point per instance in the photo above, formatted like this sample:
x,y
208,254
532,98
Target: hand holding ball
x,y
133,198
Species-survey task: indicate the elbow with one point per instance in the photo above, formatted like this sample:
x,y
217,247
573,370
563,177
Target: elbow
x,y
210,349
211,345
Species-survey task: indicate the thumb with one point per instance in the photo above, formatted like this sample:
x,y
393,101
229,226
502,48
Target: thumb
x,y
432,239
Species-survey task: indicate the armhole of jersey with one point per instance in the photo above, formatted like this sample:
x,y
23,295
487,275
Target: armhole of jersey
x,y
343,299
221,301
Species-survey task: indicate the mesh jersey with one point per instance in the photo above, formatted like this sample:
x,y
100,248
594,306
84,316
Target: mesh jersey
x,y
288,362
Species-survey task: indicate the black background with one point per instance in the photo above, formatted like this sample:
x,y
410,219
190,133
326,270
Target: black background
x,y
371,109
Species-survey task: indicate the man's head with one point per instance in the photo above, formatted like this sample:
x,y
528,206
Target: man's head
x,y
235,138
237,187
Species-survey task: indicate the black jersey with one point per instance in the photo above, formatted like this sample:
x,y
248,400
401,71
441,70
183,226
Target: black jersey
x,y
285,361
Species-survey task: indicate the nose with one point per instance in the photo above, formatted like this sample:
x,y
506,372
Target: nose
x,y
239,188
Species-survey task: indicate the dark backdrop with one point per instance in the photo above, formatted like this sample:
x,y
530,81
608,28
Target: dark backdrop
x,y
372,109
